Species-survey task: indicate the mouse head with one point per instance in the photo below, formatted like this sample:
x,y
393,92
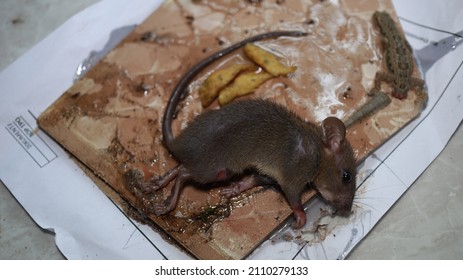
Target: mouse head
x,y
337,176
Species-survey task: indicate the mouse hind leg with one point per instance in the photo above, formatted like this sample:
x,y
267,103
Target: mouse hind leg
x,y
182,175
157,183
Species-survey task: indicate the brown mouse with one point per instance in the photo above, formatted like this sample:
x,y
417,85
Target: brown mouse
x,y
260,143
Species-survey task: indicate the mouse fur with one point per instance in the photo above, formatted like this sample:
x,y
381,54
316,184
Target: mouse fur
x,y
273,142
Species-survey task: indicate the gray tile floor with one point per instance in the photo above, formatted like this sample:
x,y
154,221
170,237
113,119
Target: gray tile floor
x,y
426,223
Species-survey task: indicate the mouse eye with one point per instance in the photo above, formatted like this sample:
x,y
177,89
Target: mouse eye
x,y
346,177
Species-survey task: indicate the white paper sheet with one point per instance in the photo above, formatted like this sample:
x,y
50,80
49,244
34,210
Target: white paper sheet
x,y
88,225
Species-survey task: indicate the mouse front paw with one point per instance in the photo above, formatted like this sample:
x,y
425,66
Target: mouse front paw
x,y
298,223
300,217
236,188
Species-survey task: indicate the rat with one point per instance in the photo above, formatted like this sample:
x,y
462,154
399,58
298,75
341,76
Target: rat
x,y
257,142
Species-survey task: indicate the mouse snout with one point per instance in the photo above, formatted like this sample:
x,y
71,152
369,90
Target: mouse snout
x,y
344,211
342,203
343,206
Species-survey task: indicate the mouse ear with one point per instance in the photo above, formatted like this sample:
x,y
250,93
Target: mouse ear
x,y
334,132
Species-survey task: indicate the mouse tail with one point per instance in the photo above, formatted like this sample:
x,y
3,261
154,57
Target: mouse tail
x,y
179,91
